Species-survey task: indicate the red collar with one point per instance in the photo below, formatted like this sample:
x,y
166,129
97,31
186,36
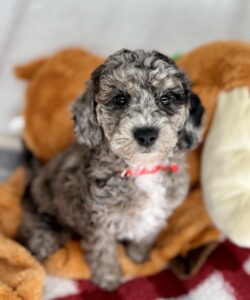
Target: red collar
x,y
143,171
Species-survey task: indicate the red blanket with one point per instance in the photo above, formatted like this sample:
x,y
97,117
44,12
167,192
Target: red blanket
x,y
225,276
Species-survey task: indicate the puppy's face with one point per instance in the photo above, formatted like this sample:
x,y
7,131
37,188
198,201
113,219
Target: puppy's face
x,y
142,102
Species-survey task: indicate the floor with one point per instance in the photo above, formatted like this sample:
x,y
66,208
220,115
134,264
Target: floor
x,y
32,28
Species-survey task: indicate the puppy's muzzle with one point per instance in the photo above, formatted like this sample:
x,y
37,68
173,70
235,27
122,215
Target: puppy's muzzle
x,y
146,136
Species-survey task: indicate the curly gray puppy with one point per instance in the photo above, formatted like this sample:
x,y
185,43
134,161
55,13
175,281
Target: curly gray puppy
x,y
137,115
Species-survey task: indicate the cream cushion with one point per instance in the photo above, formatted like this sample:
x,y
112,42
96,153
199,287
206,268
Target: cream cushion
x,y
226,166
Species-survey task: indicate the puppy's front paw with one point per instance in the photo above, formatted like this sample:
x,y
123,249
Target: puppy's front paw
x,y
136,253
43,245
109,280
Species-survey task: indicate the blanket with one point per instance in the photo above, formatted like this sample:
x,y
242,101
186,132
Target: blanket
x,y
224,276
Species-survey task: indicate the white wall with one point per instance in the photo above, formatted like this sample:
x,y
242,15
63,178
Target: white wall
x,y
30,28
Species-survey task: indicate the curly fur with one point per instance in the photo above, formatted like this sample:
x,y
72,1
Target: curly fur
x,y
81,190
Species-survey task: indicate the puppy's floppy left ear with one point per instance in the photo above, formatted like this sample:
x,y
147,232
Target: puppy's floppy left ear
x,y
87,129
190,136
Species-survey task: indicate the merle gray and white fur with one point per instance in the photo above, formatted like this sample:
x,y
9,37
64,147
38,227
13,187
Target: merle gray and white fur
x,y
137,110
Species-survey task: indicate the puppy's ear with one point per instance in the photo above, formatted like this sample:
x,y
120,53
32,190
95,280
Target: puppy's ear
x,y
86,127
96,76
190,136
160,56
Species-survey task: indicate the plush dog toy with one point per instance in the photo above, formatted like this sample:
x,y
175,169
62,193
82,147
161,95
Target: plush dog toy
x,y
66,71
220,73
55,81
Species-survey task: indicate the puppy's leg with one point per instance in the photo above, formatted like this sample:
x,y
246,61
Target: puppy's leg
x,y
139,251
41,235
100,250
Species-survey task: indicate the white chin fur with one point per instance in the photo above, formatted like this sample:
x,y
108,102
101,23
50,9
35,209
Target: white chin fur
x,y
147,158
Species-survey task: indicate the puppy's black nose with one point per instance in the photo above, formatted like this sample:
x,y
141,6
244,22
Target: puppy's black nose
x,y
146,136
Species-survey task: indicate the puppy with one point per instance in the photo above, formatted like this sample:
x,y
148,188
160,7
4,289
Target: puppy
x,y
126,173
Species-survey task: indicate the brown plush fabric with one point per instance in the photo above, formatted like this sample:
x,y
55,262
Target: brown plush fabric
x,y
21,276
217,66
54,83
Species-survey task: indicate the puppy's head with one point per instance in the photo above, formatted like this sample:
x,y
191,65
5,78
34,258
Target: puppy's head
x,y
141,103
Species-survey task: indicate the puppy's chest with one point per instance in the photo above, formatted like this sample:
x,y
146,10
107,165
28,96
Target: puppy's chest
x,y
148,211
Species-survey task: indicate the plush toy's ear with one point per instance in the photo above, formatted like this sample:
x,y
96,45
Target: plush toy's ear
x,y
86,127
191,135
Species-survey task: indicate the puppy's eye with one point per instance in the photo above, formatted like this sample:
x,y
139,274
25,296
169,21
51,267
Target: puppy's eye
x,y
121,100
165,100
